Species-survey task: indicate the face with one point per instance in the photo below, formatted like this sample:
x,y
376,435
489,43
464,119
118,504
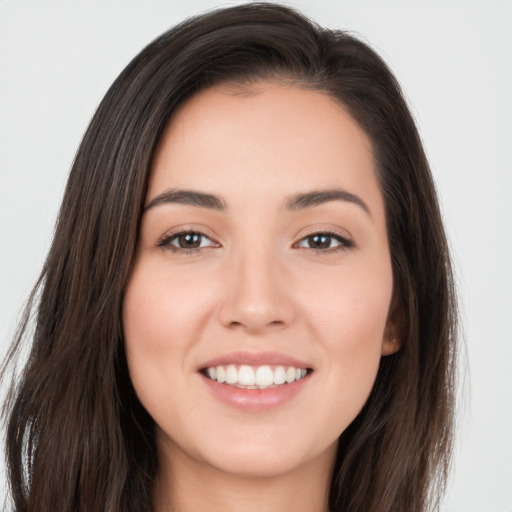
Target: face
x,y
257,311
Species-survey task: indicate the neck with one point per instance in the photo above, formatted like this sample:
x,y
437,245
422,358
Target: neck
x,y
184,485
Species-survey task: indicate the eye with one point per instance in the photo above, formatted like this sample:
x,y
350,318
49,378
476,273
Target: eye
x,y
186,241
325,242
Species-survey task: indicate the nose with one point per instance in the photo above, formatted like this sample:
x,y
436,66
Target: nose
x,y
257,293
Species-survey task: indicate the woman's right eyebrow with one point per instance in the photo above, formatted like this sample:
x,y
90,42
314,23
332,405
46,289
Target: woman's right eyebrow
x,y
188,197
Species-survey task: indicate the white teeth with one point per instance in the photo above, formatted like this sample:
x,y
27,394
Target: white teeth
x,y
221,374
279,375
231,375
260,377
290,374
264,376
246,376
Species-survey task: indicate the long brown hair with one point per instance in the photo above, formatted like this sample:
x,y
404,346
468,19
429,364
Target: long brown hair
x,y
77,437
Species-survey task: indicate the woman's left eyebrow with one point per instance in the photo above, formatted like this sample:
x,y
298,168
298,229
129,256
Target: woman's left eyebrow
x,y
318,197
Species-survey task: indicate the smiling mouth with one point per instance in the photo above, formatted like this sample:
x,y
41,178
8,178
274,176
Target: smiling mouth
x,y
255,377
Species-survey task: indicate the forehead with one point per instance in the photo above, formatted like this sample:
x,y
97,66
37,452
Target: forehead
x,y
267,141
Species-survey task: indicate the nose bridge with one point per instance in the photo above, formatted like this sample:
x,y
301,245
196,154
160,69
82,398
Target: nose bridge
x,y
255,296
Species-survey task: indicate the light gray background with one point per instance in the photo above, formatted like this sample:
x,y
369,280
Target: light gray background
x,y
454,60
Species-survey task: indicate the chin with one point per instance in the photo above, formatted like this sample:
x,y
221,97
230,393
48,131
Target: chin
x,y
259,464
264,457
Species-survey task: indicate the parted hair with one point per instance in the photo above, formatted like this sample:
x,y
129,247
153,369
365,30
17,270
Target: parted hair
x,y
77,438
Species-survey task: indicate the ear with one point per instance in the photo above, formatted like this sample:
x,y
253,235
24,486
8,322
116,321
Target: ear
x,y
390,345
391,339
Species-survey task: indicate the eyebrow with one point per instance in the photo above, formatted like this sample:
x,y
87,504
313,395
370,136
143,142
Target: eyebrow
x,y
318,197
188,197
295,202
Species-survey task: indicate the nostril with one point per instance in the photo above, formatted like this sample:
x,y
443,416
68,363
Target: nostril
x,y
276,324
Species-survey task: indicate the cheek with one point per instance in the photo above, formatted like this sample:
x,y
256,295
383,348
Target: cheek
x,y
348,320
349,311
160,307
161,318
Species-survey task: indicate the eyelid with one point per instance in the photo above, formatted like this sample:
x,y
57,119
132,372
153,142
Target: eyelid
x,y
346,241
164,242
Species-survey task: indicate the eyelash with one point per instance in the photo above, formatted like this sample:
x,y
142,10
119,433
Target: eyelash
x,y
166,242
345,243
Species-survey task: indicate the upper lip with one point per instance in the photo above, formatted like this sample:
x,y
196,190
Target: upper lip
x,y
255,359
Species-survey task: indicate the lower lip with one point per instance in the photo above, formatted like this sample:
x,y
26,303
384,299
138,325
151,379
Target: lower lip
x,y
255,399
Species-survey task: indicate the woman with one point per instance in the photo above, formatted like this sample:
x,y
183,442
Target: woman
x,y
248,302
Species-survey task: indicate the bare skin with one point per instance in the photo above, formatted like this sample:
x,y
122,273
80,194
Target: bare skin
x,y
281,253
198,488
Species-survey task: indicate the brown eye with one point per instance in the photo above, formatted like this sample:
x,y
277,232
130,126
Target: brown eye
x,y
319,241
325,242
189,240
186,241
